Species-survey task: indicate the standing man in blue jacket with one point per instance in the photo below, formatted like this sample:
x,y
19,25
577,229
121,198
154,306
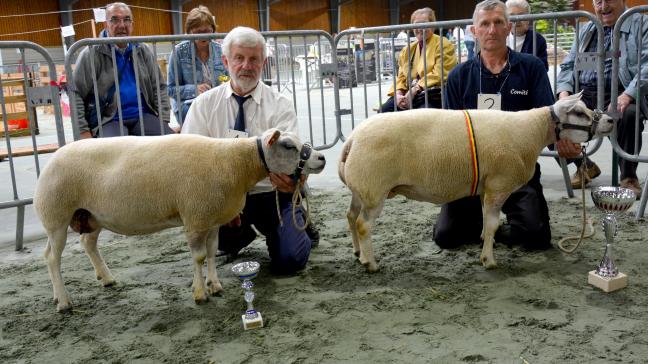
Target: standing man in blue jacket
x,y
498,78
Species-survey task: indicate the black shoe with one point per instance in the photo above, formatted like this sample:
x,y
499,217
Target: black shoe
x,y
313,234
236,242
503,235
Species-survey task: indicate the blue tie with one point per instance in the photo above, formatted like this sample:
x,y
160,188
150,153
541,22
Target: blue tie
x,y
240,117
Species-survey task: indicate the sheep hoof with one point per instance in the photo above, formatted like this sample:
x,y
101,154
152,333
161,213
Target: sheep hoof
x,y
488,263
357,253
372,267
64,307
214,289
201,300
109,283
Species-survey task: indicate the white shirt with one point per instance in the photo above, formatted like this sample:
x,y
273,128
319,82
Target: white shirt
x,y
214,112
515,41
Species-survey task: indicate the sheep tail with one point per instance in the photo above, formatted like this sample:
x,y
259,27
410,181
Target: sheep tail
x,y
345,153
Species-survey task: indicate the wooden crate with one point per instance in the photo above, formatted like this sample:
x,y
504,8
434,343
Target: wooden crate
x,y
15,100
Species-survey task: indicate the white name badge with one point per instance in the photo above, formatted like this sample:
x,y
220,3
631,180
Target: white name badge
x,y
489,101
231,133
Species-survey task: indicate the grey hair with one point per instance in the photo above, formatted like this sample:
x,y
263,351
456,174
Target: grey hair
x,y
244,37
118,5
520,4
489,5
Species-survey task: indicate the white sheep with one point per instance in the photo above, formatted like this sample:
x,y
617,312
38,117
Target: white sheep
x,y
425,155
140,185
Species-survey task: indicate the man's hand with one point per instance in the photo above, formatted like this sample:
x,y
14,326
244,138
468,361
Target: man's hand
x,y
563,94
402,101
284,182
86,135
568,149
623,101
203,87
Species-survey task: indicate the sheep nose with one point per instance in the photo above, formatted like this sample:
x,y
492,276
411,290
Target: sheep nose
x,y
321,158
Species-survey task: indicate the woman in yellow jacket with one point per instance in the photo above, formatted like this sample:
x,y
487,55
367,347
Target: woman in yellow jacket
x,y
433,69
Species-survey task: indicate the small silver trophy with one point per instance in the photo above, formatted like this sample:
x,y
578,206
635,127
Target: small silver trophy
x,y
247,271
610,200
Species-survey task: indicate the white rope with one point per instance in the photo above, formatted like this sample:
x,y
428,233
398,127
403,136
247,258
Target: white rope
x,y
42,30
297,200
588,222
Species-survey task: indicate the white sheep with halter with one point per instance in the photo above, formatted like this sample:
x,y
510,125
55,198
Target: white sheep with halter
x,y
428,155
140,185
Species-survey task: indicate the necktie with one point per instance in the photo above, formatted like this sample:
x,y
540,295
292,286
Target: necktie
x,y
240,117
421,46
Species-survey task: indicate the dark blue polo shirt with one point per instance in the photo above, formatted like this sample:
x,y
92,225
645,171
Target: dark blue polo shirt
x,y
526,87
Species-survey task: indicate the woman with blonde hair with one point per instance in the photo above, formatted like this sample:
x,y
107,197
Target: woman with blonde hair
x,y
198,63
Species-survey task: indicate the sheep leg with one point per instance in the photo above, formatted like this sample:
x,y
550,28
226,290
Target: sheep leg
x,y
213,284
89,243
492,205
352,218
364,226
197,245
55,245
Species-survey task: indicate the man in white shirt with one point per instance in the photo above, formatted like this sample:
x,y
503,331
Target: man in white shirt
x,y
245,107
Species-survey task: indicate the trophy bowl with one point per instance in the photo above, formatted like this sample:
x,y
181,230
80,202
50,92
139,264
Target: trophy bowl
x,y
613,199
246,270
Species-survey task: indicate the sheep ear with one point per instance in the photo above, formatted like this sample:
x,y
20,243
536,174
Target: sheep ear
x,y
577,96
274,137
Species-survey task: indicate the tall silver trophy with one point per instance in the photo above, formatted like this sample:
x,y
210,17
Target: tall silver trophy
x,y
610,200
247,271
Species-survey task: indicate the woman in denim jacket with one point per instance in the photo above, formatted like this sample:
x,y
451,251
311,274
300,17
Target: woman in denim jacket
x,y
208,70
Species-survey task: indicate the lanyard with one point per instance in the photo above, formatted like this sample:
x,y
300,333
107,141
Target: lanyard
x,y
508,72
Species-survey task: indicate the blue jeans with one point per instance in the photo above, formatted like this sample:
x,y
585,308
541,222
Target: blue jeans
x,y
470,46
133,127
288,247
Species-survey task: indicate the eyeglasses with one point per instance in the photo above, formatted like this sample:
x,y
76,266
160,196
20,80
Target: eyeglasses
x,y
202,31
116,21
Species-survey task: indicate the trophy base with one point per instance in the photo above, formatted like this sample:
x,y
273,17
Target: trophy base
x,y
254,323
607,284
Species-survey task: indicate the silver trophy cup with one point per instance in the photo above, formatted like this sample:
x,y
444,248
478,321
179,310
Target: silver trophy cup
x,y
247,271
610,200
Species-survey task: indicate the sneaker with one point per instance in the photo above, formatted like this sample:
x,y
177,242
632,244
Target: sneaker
x,y
633,184
591,172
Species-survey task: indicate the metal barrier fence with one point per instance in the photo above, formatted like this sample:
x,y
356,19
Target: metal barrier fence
x,y
32,96
641,82
312,69
294,66
391,44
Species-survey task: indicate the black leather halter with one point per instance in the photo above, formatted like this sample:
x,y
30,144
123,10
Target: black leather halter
x,y
261,154
591,130
304,154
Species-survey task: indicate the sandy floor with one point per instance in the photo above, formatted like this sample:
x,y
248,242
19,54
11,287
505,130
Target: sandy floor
x,y
424,305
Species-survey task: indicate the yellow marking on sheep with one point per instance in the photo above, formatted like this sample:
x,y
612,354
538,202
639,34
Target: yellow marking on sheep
x,y
362,230
473,153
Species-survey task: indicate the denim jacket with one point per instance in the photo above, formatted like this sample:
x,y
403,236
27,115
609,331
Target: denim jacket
x,y
628,47
186,88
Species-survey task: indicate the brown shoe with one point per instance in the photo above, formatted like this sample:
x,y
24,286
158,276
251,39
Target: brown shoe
x,y
632,184
591,173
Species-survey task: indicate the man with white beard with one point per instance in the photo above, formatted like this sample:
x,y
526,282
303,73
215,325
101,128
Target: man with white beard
x,y
244,107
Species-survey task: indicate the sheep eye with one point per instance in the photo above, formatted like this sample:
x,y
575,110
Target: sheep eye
x,y
289,145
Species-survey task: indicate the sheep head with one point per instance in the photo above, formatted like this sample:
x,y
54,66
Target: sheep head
x,y
285,153
574,121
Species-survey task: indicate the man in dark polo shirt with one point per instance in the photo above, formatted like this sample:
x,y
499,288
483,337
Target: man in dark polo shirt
x,y
498,78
